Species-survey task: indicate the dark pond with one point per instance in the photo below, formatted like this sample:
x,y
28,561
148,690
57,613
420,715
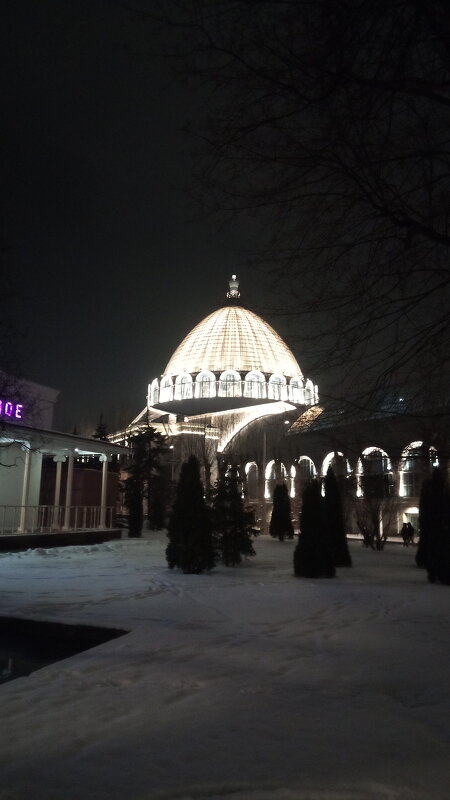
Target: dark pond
x,y
27,645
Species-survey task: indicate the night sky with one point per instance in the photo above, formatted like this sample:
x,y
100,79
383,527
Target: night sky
x,y
111,261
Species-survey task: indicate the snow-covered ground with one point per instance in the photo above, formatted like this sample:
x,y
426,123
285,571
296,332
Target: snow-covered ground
x,y
247,683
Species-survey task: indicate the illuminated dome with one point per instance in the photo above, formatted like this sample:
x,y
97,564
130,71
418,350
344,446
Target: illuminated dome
x,y
233,338
231,359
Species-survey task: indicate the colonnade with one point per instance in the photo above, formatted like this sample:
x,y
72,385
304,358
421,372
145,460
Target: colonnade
x,y
58,523
402,475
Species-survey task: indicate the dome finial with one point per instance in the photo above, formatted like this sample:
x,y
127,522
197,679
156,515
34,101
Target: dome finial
x,y
234,288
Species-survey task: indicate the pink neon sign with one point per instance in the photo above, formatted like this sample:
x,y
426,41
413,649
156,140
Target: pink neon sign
x,y
10,409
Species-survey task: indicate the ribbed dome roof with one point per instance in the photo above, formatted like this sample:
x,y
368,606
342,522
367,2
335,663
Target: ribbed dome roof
x,y
233,338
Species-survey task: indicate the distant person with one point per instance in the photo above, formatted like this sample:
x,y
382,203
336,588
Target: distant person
x,y
407,534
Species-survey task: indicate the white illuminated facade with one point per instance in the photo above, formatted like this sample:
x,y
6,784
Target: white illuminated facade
x,y
231,359
231,369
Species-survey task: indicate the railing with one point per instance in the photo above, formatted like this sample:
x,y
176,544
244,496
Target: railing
x,y
53,519
255,390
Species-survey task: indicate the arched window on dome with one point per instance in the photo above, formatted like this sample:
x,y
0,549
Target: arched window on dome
x,y
309,393
255,385
166,389
183,386
153,394
230,384
296,393
205,384
415,466
277,387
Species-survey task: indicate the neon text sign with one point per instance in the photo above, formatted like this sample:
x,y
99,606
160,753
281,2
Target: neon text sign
x,y
10,409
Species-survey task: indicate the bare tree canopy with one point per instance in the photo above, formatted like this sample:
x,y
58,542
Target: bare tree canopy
x,y
331,121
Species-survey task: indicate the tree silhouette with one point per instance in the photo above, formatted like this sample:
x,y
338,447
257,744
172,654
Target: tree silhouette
x,y
330,122
143,469
231,522
313,555
281,526
191,547
335,521
101,431
433,550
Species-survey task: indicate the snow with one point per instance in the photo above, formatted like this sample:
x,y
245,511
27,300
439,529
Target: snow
x,y
244,684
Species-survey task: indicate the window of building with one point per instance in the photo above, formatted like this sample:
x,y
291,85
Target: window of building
x,y
230,384
251,471
416,465
166,389
374,473
296,393
154,392
306,468
255,385
183,386
205,384
271,477
309,393
277,387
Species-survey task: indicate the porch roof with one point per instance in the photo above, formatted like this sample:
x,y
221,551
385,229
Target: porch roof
x,y
56,442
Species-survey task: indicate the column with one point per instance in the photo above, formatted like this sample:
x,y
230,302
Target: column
x,y
59,460
262,486
104,459
25,487
397,464
66,525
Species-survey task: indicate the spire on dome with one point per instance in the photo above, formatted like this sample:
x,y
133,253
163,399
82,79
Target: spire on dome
x,y
234,292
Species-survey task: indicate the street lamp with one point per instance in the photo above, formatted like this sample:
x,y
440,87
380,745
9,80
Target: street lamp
x,y
172,461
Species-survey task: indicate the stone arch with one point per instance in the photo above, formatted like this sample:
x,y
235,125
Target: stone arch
x,y
251,471
270,478
415,466
337,461
374,462
306,468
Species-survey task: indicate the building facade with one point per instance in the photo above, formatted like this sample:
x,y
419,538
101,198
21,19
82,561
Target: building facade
x,y
233,391
27,440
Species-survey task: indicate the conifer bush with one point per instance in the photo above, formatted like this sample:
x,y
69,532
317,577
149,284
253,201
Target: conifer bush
x,y
133,501
144,473
281,526
335,521
313,555
231,522
433,551
191,547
